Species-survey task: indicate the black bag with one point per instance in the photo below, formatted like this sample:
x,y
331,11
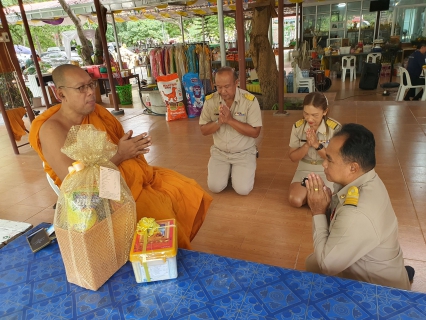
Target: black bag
x,y
370,76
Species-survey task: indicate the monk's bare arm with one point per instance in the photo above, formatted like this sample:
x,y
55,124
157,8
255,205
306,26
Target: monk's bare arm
x,y
52,138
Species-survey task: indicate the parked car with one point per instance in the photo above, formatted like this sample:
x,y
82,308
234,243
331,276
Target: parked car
x,y
54,49
55,58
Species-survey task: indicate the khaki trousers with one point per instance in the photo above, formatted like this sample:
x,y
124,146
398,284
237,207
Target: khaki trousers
x,y
241,166
311,264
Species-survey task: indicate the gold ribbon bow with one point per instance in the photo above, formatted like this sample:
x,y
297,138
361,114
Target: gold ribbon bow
x,y
76,166
146,227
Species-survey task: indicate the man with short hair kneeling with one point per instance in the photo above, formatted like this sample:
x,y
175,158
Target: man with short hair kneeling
x,y
355,230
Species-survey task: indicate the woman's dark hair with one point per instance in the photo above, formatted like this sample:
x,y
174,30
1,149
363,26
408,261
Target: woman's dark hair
x,y
316,99
359,146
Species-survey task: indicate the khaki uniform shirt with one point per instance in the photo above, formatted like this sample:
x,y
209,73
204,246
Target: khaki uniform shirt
x,y
325,132
361,241
245,108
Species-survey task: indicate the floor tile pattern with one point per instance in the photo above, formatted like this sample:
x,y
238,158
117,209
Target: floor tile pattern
x,y
208,287
233,220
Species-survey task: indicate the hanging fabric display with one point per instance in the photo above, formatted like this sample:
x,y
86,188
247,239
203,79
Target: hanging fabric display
x,y
203,53
192,59
180,60
194,94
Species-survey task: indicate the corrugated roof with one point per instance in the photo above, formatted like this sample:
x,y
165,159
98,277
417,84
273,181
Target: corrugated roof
x,y
126,10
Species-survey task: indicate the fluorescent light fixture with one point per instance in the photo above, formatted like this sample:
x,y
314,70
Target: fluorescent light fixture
x,y
341,5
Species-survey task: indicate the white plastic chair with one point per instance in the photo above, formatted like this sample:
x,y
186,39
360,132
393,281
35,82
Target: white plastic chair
x,y
405,84
349,63
52,184
374,56
300,82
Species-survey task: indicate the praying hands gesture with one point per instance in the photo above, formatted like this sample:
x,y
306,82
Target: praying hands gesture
x,y
224,113
311,138
319,196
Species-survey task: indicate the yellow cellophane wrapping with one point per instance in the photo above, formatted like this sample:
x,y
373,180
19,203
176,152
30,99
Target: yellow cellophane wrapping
x,y
94,234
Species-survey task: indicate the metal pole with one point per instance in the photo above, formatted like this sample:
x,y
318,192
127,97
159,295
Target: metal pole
x,y
393,22
221,33
111,79
376,26
204,36
114,28
281,55
239,13
297,25
34,53
16,66
164,36
182,29
300,21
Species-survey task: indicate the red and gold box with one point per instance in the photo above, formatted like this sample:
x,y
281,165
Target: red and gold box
x,y
154,257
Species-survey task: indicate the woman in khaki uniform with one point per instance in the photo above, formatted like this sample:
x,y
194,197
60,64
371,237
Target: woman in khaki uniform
x,y
308,140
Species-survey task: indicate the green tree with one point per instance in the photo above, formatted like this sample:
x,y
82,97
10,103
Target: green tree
x,y
44,36
139,30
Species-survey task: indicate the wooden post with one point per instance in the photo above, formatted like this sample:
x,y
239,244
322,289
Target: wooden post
x,y
16,66
239,13
281,56
34,53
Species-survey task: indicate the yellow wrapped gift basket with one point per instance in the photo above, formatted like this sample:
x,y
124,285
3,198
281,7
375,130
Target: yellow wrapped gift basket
x,y
94,227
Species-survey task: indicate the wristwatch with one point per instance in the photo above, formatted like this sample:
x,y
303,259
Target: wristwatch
x,y
320,146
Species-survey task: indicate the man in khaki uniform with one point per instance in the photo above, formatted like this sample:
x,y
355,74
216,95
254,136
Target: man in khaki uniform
x,y
233,117
361,240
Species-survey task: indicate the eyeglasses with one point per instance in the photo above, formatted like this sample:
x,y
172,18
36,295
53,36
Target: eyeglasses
x,y
84,87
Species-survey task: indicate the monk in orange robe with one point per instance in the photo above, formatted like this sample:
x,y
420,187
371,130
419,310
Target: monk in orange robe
x,y
159,193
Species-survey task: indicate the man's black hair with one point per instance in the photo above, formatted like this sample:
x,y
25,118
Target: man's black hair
x,y
359,146
421,44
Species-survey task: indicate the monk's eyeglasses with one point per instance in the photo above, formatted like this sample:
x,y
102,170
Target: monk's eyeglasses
x,y
84,87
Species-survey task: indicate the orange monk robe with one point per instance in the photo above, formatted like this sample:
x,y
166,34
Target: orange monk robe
x,y
16,123
159,193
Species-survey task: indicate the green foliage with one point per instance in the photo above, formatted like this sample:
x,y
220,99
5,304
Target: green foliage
x,y
131,32
194,29
43,37
172,29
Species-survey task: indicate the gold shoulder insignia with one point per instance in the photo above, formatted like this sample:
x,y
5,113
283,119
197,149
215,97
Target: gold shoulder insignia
x,y
299,123
332,124
209,96
352,197
249,96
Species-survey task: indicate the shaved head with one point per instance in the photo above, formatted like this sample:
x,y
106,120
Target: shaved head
x,y
62,72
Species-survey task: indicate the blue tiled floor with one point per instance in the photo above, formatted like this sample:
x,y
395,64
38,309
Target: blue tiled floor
x,y
34,286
